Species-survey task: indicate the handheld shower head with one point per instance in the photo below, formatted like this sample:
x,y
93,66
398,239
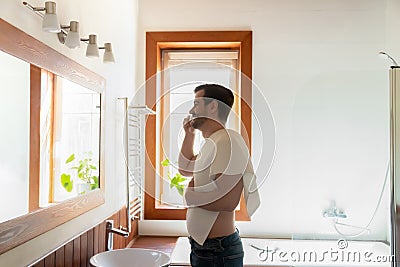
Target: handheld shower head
x,y
386,55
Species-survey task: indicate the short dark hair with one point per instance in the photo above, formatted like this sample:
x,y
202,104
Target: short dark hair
x,y
220,93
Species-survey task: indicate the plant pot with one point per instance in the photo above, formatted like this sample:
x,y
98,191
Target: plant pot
x,y
83,188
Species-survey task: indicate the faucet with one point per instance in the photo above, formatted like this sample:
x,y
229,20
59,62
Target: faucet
x,y
110,230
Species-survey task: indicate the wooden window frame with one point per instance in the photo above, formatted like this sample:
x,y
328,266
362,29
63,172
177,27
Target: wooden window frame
x,y
165,101
155,43
34,137
36,83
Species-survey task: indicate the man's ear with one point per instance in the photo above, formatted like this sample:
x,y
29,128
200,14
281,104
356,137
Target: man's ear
x,y
214,106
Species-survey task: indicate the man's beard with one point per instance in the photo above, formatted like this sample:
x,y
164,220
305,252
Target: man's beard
x,y
197,122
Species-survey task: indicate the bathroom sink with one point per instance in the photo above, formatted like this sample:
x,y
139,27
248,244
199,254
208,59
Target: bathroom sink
x,y
131,257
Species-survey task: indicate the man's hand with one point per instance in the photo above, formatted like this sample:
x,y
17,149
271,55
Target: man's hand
x,y
187,126
191,184
188,191
186,157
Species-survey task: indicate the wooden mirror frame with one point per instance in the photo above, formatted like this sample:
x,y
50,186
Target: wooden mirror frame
x,y
19,230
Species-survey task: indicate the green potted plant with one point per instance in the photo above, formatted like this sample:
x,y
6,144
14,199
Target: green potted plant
x,y
178,181
84,169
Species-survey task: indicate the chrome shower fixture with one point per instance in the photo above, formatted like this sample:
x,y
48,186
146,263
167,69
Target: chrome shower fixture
x,y
389,57
334,212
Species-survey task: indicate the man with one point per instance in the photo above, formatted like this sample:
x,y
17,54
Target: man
x,y
217,184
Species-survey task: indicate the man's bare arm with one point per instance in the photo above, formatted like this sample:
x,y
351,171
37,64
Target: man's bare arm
x,y
186,157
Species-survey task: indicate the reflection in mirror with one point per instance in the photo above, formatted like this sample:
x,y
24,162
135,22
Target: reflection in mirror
x,y
14,136
75,147
51,140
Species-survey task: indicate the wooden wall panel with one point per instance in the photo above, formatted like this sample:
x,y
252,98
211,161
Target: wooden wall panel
x,y
50,260
78,252
90,245
134,234
96,239
69,254
60,257
84,250
102,237
122,221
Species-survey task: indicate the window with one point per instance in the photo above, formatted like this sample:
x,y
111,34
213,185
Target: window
x,y
64,119
70,126
185,54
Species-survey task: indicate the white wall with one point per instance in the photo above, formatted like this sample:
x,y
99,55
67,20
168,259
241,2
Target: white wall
x,y
316,63
115,23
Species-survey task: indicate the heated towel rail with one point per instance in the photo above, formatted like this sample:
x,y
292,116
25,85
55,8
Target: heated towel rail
x,y
134,141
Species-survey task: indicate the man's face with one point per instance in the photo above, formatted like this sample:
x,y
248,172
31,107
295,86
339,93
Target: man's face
x,y
199,110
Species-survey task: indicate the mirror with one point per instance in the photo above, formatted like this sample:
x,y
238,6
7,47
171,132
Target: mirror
x,y
51,165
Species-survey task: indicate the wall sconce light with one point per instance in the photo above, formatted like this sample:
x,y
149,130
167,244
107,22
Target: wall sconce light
x,y
92,49
108,56
50,21
72,41
69,35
